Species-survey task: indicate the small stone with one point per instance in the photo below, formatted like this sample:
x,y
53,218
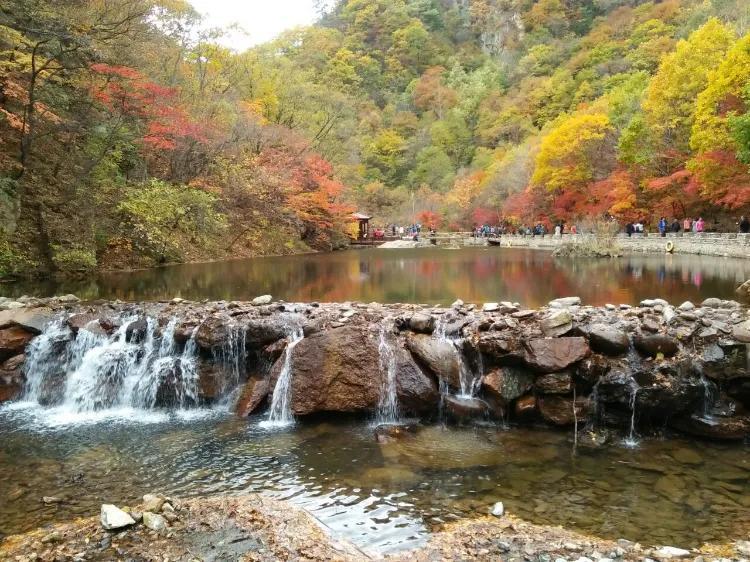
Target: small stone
x,y
178,300
112,517
572,547
490,307
648,303
610,307
457,303
565,302
154,521
557,323
521,314
153,503
54,536
671,552
711,303
262,300
498,510
51,499
687,305
68,298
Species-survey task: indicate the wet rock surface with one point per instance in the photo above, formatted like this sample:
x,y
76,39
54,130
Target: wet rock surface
x,y
684,366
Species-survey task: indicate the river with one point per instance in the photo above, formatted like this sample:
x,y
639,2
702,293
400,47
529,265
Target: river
x,y
423,275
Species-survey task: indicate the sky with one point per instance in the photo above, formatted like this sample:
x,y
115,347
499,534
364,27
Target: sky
x,y
261,19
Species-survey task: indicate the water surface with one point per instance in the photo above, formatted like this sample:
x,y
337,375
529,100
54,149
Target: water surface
x,y
424,275
381,496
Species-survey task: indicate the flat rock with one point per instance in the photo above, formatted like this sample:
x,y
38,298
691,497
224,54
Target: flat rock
x,y
262,300
565,302
490,307
555,354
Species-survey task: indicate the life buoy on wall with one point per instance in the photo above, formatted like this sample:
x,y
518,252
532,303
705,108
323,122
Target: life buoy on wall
x,y
670,247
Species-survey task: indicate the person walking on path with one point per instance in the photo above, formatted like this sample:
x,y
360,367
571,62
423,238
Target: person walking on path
x,y
687,225
663,226
744,225
700,225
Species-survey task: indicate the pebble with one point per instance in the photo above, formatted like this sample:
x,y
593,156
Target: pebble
x,y
261,300
154,521
498,510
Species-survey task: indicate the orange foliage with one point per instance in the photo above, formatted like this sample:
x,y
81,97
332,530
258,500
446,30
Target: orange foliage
x,y
431,219
128,92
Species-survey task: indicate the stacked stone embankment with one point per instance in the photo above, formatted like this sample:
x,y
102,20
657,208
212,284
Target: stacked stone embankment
x,y
735,245
567,364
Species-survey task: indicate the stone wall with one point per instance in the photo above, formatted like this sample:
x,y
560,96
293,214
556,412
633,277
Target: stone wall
x,y
704,243
566,364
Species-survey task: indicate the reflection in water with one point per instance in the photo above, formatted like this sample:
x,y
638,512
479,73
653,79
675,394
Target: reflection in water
x,y
420,276
383,496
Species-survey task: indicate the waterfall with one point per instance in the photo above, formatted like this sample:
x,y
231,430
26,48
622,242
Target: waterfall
x,y
468,381
91,371
632,439
280,414
388,412
709,396
232,355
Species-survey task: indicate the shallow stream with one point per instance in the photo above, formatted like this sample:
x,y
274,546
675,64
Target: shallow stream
x,y
381,496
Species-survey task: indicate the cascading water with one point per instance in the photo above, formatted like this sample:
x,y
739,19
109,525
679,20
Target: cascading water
x,y
91,371
710,393
632,438
232,355
280,414
388,411
468,380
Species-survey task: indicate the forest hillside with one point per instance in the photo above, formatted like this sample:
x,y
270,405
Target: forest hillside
x,y
129,136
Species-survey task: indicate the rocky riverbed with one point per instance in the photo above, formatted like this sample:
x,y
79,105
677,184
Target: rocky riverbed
x,y
566,364
261,529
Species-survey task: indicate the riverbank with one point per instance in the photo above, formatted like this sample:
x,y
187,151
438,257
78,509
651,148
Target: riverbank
x,y
255,528
705,243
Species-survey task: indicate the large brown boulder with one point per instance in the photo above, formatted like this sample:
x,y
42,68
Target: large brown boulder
x,y
417,392
13,341
438,356
549,355
254,392
334,371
